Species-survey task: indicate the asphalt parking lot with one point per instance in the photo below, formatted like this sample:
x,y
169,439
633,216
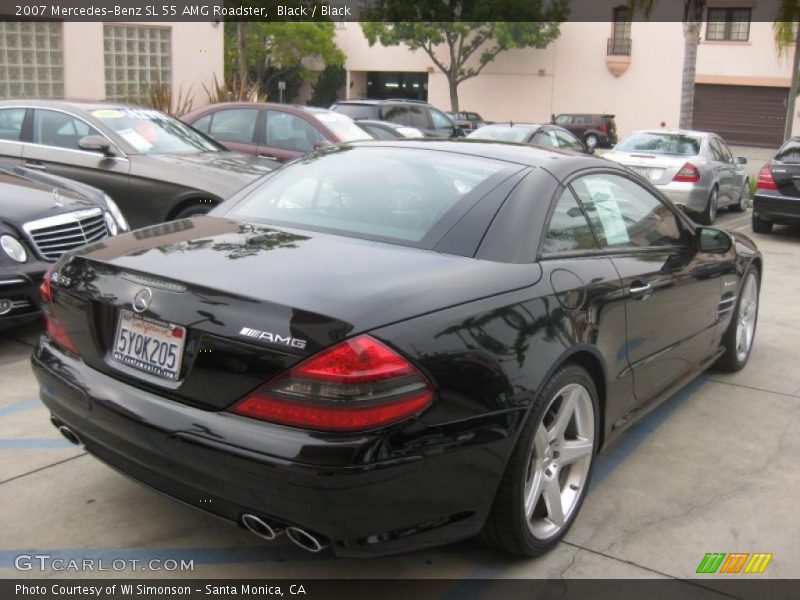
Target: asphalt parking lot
x,y
712,470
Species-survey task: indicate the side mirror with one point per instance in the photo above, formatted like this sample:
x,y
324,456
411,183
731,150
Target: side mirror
x,y
96,143
741,160
713,240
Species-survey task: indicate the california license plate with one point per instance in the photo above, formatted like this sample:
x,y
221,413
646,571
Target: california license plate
x,y
149,345
648,173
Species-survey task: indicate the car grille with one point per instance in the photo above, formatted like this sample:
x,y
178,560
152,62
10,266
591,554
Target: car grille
x,y
54,236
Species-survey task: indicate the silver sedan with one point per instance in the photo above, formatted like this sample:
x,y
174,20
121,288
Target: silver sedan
x,y
694,169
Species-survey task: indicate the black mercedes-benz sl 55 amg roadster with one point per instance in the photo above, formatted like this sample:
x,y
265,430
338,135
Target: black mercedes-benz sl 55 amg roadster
x,y
384,346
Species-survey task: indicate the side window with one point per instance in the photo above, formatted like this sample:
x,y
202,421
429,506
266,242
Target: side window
x,y
715,150
440,122
379,133
568,230
724,151
203,123
563,120
234,125
53,128
567,141
290,132
11,123
543,139
418,118
396,114
624,213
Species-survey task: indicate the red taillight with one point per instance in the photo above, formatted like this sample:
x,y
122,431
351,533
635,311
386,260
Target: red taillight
x,y
688,173
765,179
604,129
357,384
53,326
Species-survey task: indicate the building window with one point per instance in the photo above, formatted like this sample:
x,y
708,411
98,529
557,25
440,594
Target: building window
x,y
620,42
728,24
31,61
135,58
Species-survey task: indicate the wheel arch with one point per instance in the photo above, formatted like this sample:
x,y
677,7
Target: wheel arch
x,y
186,200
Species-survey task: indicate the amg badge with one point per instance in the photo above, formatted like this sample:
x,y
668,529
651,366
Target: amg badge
x,y
273,337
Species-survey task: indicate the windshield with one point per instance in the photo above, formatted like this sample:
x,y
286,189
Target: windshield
x,y
661,143
375,192
789,152
152,132
502,133
342,126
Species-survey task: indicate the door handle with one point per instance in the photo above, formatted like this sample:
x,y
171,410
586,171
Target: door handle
x,y
640,291
34,165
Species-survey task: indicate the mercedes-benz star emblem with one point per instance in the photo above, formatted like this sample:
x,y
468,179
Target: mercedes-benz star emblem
x,y
141,301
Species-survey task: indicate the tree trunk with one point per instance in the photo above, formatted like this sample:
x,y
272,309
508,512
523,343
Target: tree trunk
x,y
453,93
790,104
691,36
241,41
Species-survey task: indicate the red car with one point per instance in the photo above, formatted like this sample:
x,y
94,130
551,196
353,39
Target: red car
x,y
277,131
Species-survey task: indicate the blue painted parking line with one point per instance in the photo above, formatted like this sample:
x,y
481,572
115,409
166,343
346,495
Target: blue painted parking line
x,y
30,444
22,405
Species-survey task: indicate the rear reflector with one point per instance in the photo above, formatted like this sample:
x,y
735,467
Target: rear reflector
x,y
765,179
688,173
356,385
53,326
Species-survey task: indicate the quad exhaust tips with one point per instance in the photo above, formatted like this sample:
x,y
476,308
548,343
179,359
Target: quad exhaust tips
x,y
306,540
260,527
69,434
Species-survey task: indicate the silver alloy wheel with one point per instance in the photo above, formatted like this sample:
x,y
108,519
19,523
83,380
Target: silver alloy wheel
x,y
748,311
713,201
558,467
744,196
591,141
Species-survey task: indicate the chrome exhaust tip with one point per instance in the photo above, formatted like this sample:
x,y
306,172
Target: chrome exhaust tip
x,y
258,526
306,540
69,435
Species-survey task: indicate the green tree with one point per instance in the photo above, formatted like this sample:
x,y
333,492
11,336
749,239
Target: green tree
x,y
787,34
693,12
463,45
261,53
327,86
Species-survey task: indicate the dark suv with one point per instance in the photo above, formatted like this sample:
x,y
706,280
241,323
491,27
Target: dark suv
x,y
412,113
594,130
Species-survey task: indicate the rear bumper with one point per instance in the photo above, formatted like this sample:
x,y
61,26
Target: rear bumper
x,y
20,302
691,195
776,208
383,502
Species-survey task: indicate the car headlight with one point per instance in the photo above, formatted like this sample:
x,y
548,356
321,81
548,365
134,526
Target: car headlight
x,y
13,248
122,224
111,223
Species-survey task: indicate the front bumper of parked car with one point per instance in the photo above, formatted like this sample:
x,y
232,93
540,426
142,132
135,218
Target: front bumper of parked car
x,y
382,503
776,207
19,293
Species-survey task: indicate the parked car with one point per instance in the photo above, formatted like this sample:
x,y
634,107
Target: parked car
x,y
544,136
385,130
468,121
440,339
412,113
41,218
277,131
695,169
155,167
594,130
777,197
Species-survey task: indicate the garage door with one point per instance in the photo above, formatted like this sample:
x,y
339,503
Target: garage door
x,y
741,114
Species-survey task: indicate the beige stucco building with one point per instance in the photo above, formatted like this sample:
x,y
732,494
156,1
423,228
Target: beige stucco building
x,y
629,69
99,61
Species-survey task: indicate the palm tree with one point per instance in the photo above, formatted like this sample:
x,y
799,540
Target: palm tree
x,y
787,34
692,22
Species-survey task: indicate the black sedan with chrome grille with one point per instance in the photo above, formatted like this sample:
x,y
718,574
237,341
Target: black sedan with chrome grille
x,y
42,217
384,346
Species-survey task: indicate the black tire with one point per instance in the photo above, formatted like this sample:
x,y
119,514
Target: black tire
x,y
760,225
197,208
507,526
591,140
744,198
710,213
733,360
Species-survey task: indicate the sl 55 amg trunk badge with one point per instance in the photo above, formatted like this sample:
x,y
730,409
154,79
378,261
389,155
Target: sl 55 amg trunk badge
x,y
286,340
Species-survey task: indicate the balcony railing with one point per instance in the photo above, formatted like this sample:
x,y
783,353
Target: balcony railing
x,y
619,46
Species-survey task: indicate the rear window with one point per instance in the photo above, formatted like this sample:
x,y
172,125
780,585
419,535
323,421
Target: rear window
x,y
502,133
377,193
342,126
356,111
789,152
661,143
